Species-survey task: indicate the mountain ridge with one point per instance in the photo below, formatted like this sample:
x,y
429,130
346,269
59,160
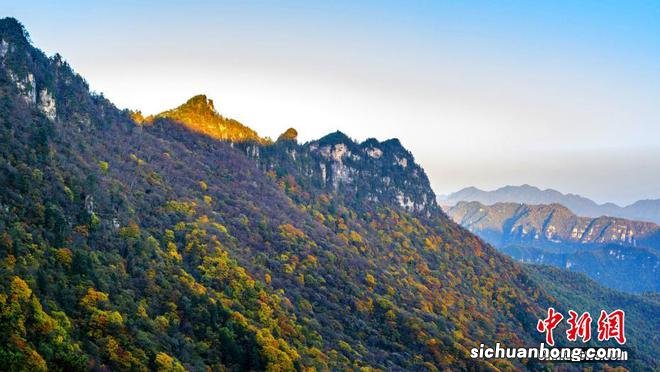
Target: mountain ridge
x,y
619,253
198,114
645,210
554,221
370,171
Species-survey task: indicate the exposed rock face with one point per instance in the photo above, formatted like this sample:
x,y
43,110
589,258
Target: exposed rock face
x,y
324,174
13,55
370,171
47,104
20,67
374,152
252,151
26,86
4,48
403,162
335,154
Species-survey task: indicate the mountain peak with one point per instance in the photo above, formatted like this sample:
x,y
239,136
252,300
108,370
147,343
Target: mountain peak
x,y
289,135
11,30
199,115
523,187
199,102
370,171
393,142
334,138
15,46
200,107
394,145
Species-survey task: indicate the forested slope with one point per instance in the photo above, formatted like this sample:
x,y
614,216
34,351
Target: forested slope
x,y
147,245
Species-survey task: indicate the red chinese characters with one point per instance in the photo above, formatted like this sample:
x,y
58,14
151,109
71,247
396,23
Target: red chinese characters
x,y
579,327
548,324
612,326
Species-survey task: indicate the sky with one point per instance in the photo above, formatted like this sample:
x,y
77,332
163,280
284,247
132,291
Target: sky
x,y
557,94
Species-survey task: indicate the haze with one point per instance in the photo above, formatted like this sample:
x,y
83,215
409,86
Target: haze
x,y
562,95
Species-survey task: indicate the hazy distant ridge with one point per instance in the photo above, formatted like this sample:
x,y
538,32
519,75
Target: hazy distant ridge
x,y
642,210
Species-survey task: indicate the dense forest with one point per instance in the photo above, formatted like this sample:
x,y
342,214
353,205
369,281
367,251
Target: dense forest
x,y
133,243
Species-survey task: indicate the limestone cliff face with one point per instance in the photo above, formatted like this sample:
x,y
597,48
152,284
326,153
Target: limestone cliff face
x,y
366,172
24,66
380,170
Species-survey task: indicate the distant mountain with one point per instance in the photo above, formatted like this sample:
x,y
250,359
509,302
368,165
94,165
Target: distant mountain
x,y
619,253
643,210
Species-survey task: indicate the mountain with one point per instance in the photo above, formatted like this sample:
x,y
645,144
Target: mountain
x,y
618,253
370,172
199,115
135,244
643,210
546,225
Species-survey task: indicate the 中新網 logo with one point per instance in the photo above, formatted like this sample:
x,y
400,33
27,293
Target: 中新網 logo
x,y
610,326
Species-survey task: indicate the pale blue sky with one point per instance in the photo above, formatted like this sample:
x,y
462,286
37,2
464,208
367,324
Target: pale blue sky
x,y
561,94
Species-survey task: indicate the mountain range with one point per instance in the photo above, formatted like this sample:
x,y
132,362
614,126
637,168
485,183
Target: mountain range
x,y
642,210
185,241
619,253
